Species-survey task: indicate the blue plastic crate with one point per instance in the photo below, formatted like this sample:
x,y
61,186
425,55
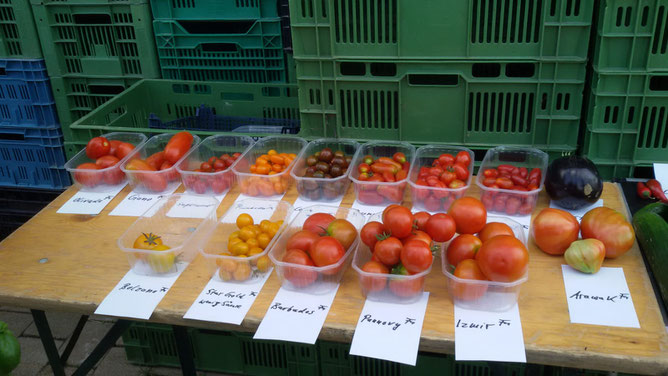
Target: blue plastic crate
x,y
47,136
28,164
205,119
25,94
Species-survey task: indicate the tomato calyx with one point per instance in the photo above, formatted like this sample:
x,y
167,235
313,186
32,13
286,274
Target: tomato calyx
x,y
399,269
383,236
150,238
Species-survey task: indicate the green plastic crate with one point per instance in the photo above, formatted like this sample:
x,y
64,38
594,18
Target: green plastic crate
x,y
97,38
392,29
632,35
238,51
220,351
75,97
627,121
18,36
171,100
214,9
477,104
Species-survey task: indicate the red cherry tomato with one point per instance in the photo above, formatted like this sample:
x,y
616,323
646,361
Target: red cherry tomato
x,y
406,288
156,159
374,283
106,161
461,172
419,235
97,147
318,222
416,256
299,277
421,219
463,247
123,149
326,251
446,159
441,227
370,233
468,269
388,251
503,258
469,214
463,158
87,179
303,240
493,229
399,221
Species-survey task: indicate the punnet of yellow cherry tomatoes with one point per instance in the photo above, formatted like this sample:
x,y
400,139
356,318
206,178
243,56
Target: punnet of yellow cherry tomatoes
x,y
245,255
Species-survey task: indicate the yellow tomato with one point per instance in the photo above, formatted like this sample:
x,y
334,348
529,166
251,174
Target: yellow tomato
x,y
255,251
265,225
256,230
246,233
242,272
273,229
224,275
234,235
240,249
147,241
263,263
252,243
263,240
244,220
161,263
227,264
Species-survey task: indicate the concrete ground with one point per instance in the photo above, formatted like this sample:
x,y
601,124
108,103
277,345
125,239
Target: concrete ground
x,y
34,360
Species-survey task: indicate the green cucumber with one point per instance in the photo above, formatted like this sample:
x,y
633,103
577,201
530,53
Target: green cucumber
x,y
651,226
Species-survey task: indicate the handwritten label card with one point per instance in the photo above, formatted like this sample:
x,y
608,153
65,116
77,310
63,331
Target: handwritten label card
x,y
301,204
491,336
91,203
258,208
367,210
390,331
192,206
599,299
579,213
136,296
661,174
135,204
295,316
225,302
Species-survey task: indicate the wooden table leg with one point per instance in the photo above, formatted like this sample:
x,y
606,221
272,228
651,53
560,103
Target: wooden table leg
x,y
185,350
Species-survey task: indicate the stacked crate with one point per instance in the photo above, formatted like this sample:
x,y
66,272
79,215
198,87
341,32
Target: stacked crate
x,y
477,73
627,120
94,49
31,140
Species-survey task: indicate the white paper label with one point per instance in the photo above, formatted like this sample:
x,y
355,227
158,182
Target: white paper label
x,y
491,336
602,298
192,206
136,204
295,316
390,331
89,202
256,207
301,204
368,210
136,296
225,302
579,213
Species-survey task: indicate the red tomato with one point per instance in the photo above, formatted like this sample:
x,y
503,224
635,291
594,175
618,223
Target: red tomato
x,y
374,283
326,251
370,197
97,147
448,176
318,222
399,221
387,209
421,219
343,231
461,172
113,145
370,233
114,176
302,240
554,230
446,159
441,227
419,235
206,167
177,146
123,149
88,179
156,159
468,269
416,256
611,228
152,181
219,165
299,277
463,247
391,193
106,161
388,251
493,229
138,165
463,158
406,288
503,258
469,215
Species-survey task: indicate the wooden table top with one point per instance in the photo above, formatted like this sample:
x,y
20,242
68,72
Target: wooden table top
x,y
84,264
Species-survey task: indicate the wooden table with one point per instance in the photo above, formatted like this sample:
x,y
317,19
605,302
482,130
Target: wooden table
x,y
80,264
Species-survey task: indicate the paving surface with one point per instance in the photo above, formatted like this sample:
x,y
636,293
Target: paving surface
x,y
34,360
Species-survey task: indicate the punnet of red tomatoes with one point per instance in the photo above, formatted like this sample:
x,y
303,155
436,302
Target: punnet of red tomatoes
x,y
511,179
399,252
101,160
440,181
380,180
312,252
152,166
213,174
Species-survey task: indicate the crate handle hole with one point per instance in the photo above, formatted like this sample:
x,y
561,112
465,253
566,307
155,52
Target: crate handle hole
x,y
92,19
520,70
433,79
105,89
353,69
219,47
237,96
11,137
486,70
217,27
658,83
383,69
3,71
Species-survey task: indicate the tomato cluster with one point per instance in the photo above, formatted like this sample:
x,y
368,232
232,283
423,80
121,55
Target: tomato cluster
x,y
106,153
218,183
382,170
494,254
508,177
446,172
322,241
270,164
325,164
249,241
164,160
402,245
